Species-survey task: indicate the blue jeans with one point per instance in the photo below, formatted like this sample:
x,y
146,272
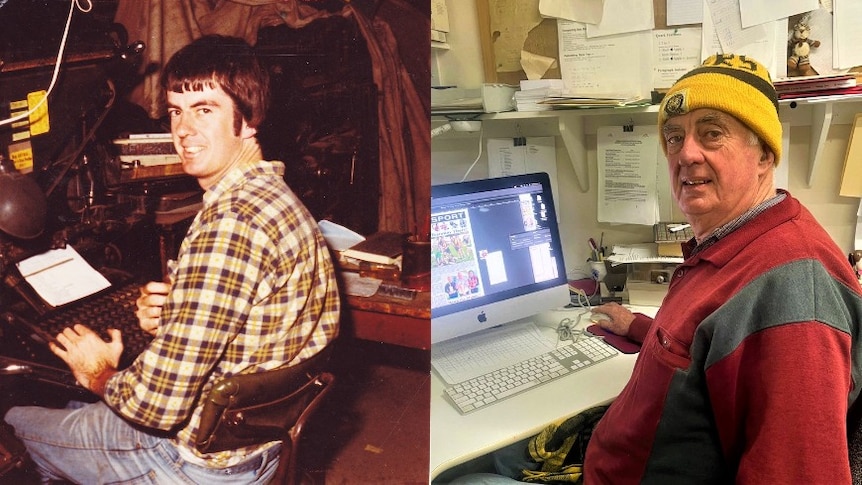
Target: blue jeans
x,y
92,445
509,461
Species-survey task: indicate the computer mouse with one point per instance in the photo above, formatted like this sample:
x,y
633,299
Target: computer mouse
x,y
596,317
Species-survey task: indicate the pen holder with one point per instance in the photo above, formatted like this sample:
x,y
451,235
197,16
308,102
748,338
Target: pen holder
x,y
416,264
598,270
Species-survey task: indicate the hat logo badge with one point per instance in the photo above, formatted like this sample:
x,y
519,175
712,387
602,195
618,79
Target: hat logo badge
x,y
675,105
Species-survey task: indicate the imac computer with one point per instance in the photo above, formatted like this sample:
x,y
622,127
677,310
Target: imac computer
x,y
496,254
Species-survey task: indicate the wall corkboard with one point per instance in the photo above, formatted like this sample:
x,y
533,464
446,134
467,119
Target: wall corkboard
x,y
498,48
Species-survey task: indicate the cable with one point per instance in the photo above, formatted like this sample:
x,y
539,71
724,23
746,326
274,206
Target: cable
x,y
564,329
568,329
583,300
60,51
478,156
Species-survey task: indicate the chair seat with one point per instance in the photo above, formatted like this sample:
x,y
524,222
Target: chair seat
x,y
257,408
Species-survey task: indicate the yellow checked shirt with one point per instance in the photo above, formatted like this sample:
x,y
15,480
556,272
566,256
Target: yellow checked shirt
x,y
253,288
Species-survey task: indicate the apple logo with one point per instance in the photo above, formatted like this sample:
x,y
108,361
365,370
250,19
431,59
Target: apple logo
x,y
482,318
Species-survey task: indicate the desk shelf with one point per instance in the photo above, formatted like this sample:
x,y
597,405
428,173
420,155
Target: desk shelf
x,y
573,125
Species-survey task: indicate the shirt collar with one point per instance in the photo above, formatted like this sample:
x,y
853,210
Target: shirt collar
x,y
735,224
239,175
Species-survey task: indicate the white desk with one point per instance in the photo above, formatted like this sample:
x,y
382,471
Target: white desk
x,y
456,438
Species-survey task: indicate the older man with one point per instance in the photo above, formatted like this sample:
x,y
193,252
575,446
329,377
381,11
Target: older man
x,y
748,370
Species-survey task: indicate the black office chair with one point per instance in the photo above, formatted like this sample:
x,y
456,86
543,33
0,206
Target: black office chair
x,y
250,409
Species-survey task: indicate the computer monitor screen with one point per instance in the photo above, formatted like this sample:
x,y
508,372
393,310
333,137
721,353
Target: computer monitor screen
x,y
496,254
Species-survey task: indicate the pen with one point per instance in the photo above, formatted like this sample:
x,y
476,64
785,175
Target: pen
x,y
602,246
594,249
679,227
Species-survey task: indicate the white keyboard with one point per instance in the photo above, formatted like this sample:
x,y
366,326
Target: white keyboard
x,y
494,386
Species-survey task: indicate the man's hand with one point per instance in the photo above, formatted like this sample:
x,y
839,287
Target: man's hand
x,y
619,318
153,296
91,359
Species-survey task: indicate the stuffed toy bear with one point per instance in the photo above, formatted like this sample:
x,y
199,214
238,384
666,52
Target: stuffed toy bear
x,y
799,47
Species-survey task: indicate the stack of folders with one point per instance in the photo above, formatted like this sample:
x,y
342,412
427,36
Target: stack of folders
x,y
846,84
535,90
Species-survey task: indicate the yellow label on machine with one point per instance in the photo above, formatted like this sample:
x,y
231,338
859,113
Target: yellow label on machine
x,y
39,118
21,155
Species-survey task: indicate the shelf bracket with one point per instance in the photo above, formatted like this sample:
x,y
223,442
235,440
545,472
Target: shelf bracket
x,y
572,134
821,119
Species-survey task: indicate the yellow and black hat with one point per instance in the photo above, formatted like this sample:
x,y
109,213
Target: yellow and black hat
x,y
735,84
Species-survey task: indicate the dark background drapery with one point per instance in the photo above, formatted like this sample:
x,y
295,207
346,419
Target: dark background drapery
x,y
396,35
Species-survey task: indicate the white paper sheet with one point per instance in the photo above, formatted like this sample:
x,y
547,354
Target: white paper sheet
x,y
356,285
615,66
639,253
588,11
537,154
757,41
338,237
627,163
675,52
764,42
62,276
684,12
753,12
623,17
846,33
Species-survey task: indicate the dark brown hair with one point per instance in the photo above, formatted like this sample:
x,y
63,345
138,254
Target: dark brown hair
x,y
226,62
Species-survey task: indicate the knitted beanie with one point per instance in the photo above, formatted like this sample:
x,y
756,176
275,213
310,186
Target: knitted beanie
x,y
737,85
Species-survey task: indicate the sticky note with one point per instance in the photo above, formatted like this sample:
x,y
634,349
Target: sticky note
x,y
39,122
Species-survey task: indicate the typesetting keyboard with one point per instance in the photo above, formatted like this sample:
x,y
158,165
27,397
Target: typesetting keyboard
x,y
495,386
114,308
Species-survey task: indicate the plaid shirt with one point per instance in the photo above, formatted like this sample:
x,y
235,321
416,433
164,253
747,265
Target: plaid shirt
x,y
253,288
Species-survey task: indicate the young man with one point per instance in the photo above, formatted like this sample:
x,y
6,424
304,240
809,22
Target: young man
x,y
253,288
752,363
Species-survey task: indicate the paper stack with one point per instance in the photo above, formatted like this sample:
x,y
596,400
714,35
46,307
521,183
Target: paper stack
x,y
534,91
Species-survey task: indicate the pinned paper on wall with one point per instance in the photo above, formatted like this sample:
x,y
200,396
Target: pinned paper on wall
x,y
627,172
520,155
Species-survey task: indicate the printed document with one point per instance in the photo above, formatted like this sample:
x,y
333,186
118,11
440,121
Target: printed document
x,y
616,66
62,276
508,156
627,166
